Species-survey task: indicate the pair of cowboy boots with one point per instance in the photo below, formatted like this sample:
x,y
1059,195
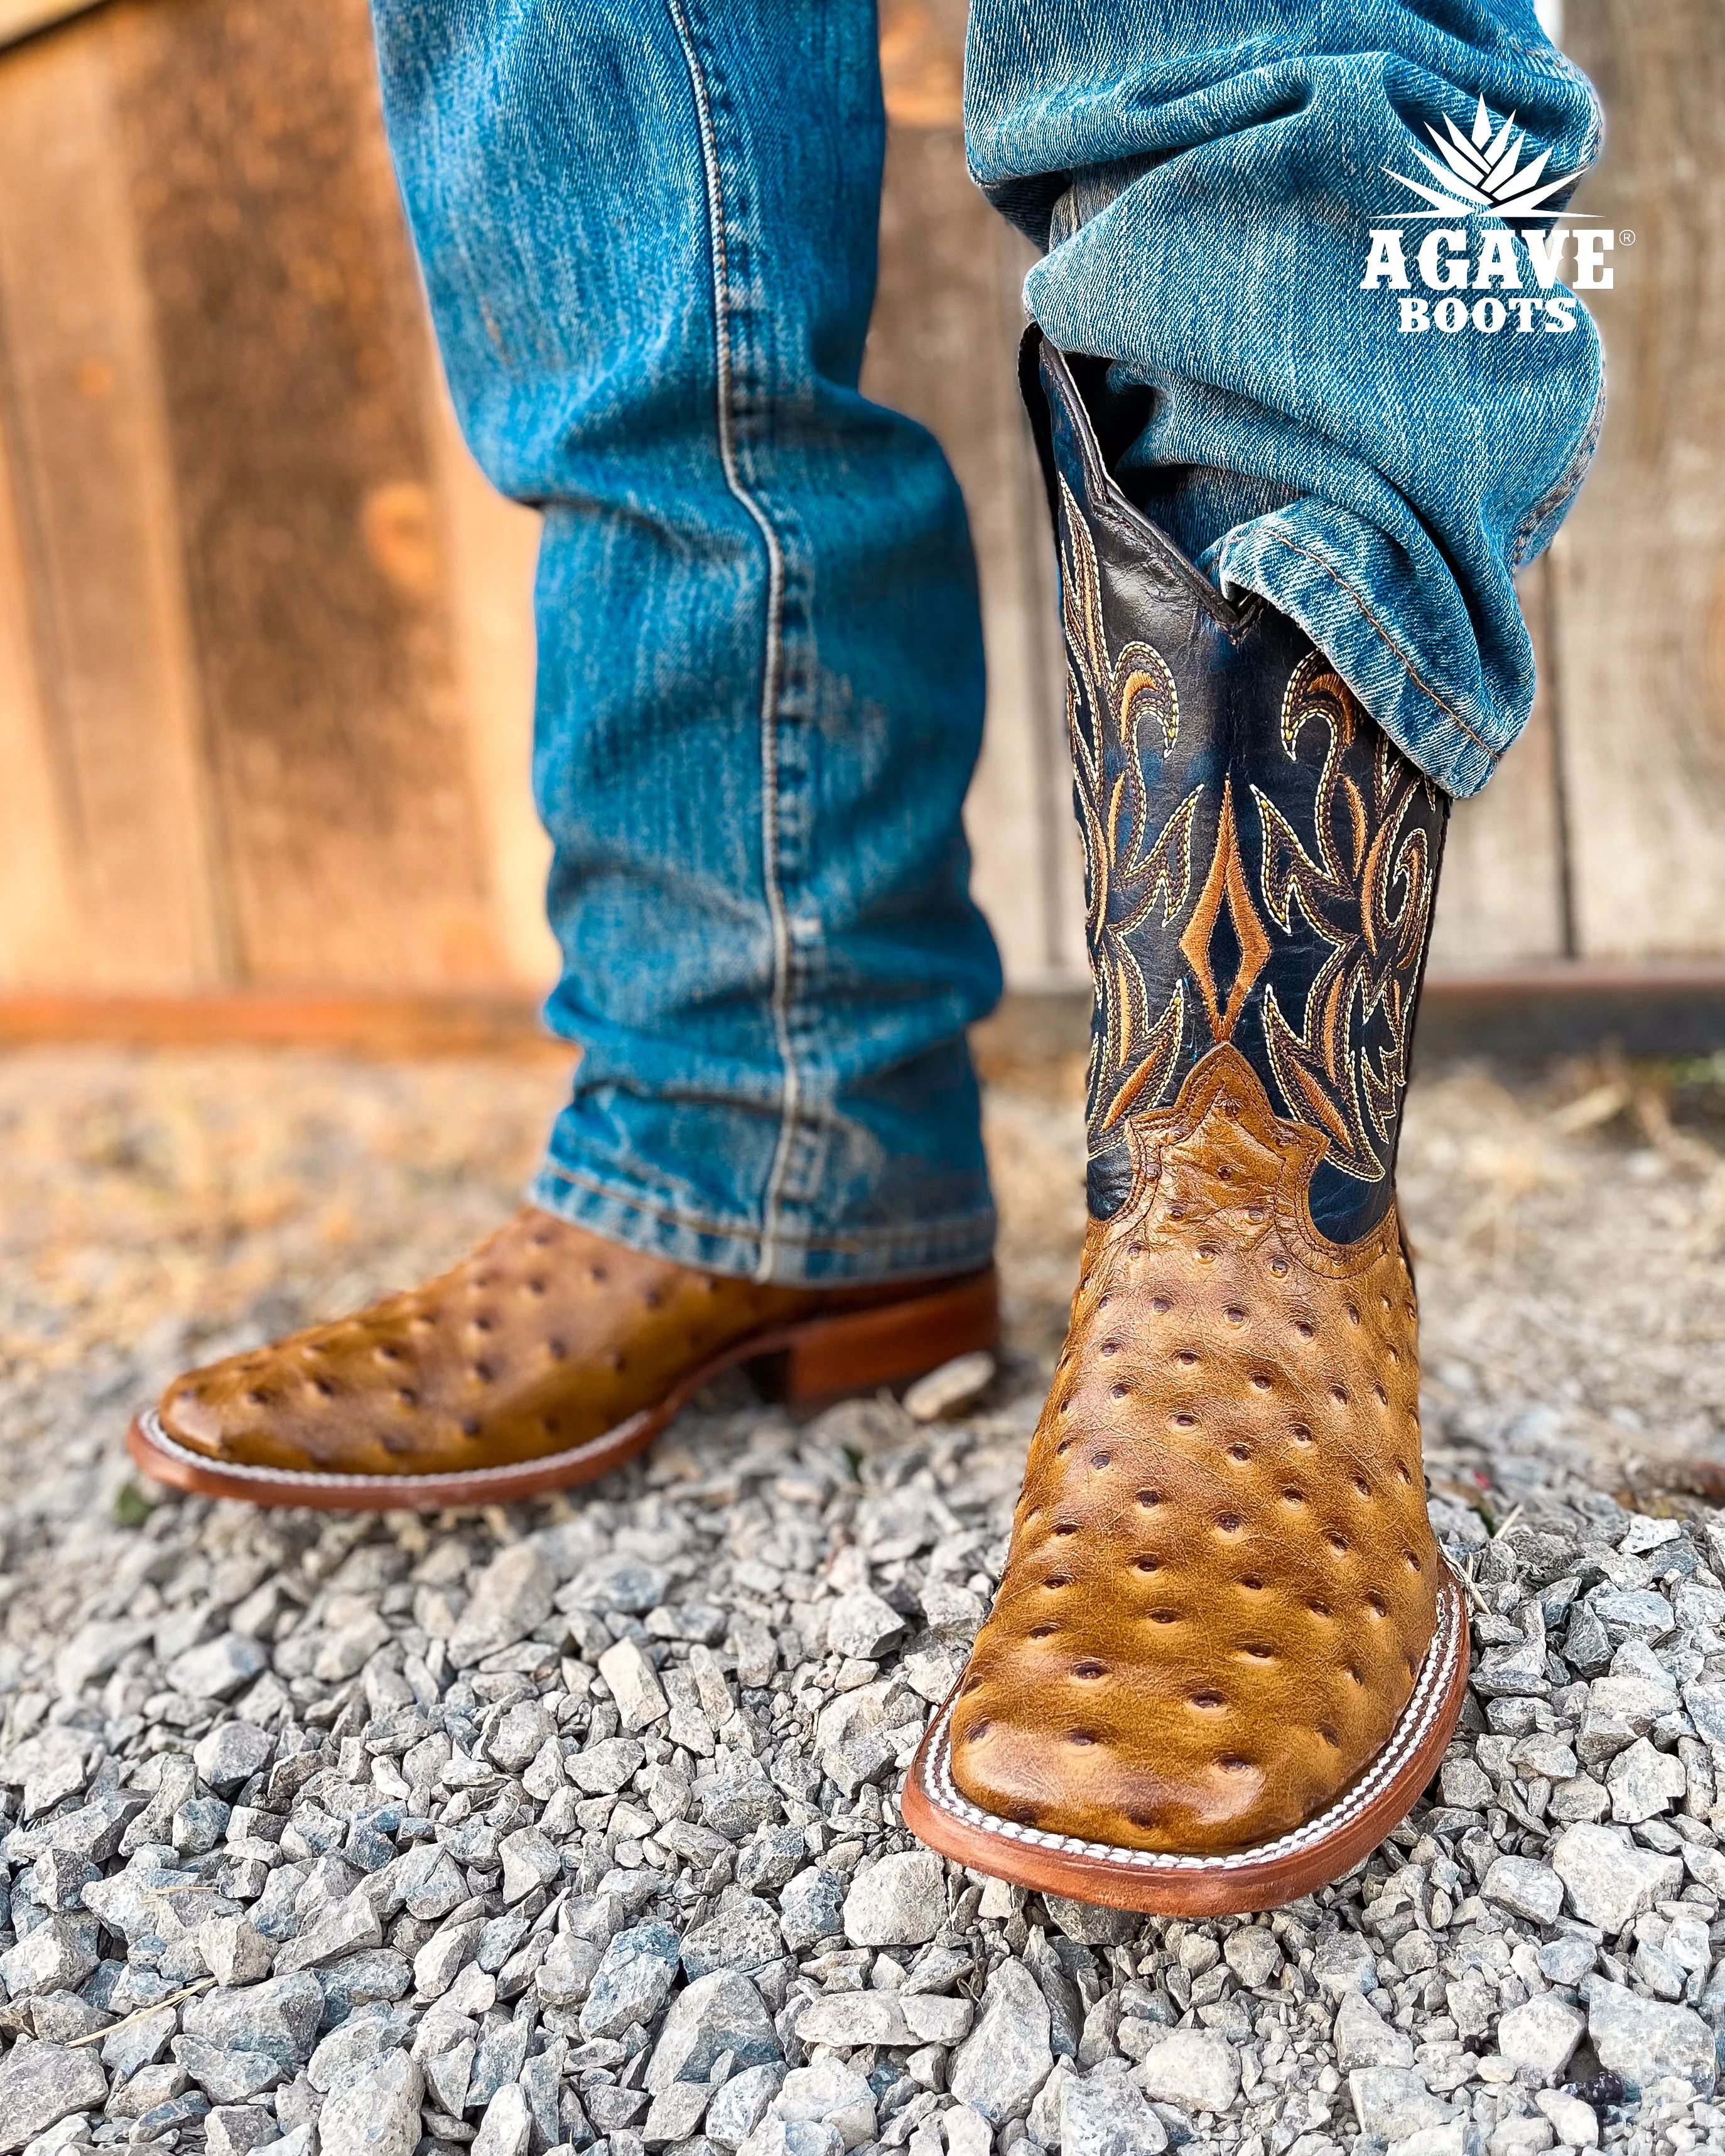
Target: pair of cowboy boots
x,y
1226,1653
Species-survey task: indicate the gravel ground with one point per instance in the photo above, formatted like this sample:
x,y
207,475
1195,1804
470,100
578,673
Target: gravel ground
x,y
574,1825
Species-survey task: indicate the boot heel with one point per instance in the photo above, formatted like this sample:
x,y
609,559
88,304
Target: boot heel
x,y
858,1351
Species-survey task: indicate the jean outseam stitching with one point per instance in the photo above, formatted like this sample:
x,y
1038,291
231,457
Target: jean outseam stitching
x,y
1388,642
773,659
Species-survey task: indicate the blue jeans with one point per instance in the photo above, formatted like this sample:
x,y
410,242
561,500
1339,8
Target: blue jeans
x,y
647,229
1207,177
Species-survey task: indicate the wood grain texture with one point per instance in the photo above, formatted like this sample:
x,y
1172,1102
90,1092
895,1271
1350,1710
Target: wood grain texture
x,y
1641,597
41,928
493,548
1501,899
370,1021
942,347
265,635
106,688
922,61
294,354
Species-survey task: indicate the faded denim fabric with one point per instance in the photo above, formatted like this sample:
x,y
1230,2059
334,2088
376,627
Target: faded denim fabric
x,y
648,233
647,229
1204,175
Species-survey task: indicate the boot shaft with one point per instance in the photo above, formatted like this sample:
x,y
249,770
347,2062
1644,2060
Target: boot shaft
x,y
1260,859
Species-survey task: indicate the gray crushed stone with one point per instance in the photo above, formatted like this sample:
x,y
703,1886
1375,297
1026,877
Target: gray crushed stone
x,y
574,1827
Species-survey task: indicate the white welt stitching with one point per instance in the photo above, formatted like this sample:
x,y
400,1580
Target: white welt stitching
x,y
320,1479
1405,1740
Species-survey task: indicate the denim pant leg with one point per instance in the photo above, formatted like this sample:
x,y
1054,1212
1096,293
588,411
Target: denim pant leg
x,y
1207,177
648,233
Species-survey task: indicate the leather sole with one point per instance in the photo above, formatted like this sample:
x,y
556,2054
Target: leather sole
x,y
1240,1881
810,1360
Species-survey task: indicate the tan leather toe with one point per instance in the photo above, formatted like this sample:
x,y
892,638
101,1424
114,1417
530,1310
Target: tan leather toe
x,y
1222,1580
545,1337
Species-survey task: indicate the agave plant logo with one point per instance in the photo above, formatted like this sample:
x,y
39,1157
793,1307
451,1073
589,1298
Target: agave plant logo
x,y
1483,170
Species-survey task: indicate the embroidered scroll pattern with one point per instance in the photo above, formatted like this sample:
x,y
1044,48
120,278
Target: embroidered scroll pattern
x,y
1113,703
1366,889
1361,880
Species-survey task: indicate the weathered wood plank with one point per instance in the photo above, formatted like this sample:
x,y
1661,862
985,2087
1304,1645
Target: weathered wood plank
x,y
1642,564
41,935
1501,898
493,545
293,356
216,392
922,61
93,510
942,347
375,1022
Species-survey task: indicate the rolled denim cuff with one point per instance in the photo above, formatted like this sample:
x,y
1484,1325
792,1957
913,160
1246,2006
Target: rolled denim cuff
x,y
1432,712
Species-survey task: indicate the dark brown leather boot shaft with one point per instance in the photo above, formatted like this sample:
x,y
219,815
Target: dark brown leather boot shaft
x,y
1261,859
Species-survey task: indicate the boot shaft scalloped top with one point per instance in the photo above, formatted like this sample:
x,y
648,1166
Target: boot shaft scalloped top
x,y
1261,859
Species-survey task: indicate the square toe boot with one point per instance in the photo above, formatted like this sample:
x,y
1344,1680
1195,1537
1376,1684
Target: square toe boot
x,y
546,1357
1226,1653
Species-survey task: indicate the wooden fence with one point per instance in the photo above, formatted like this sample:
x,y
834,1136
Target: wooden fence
x,y
265,657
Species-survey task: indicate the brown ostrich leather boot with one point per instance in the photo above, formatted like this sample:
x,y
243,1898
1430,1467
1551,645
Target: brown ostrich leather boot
x,y
1226,1653
545,1357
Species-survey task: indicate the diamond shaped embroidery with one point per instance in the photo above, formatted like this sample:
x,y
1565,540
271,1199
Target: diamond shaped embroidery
x,y
1225,886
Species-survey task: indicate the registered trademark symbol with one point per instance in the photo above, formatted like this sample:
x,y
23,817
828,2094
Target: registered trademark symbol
x,y
1626,238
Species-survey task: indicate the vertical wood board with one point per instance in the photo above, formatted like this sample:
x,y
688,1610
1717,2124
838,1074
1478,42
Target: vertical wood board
x,y
93,508
1641,569
265,633
493,546
1501,897
942,347
41,930
294,353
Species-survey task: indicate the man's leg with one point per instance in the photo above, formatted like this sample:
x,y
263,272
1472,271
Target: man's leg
x,y
647,234
647,229
1227,1653
1207,177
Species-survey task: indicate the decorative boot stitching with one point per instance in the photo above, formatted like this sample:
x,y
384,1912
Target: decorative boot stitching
x,y
1423,1709
309,1478
1368,894
1304,949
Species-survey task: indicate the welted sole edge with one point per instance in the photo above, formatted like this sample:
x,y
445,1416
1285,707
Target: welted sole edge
x,y
1233,1884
